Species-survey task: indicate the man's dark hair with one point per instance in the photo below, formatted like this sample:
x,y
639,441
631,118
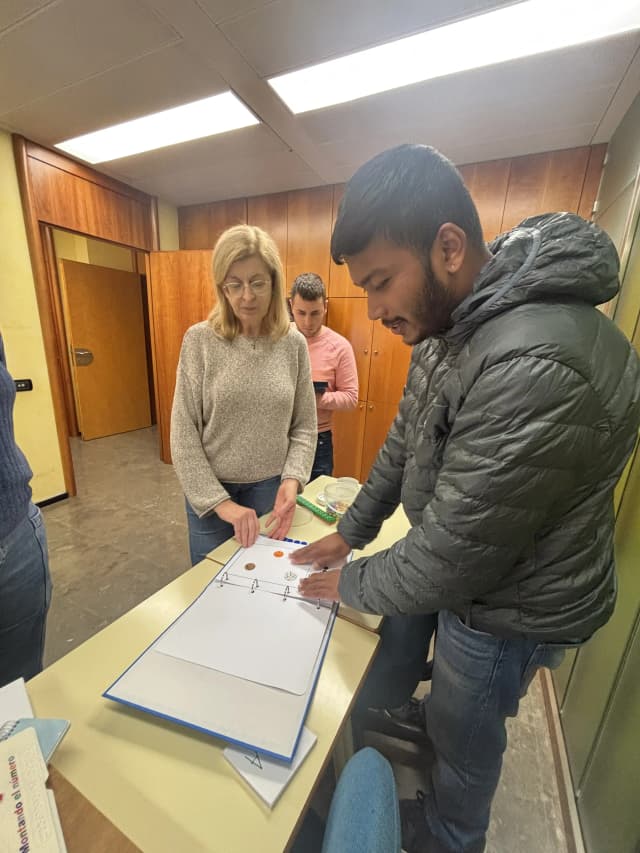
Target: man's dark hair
x,y
309,286
403,195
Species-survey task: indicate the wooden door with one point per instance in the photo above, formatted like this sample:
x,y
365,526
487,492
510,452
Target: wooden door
x,y
181,293
379,417
390,359
104,319
349,318
487,183
348,441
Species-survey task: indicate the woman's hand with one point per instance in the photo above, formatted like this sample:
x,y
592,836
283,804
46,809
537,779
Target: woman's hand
x,y
283,509
244,520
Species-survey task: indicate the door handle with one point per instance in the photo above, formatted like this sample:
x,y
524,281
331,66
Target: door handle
x,y
82,357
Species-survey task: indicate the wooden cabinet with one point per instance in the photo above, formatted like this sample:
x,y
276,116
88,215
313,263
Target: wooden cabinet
x,y
383,361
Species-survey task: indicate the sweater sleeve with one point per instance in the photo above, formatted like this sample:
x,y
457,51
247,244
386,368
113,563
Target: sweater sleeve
x,y
345,395
200,485
303,431
517,449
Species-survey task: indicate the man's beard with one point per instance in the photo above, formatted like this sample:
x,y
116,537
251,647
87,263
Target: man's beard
x,y
434,307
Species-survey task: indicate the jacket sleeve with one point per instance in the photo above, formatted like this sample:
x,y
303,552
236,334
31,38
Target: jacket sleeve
x,y
303,432
523,434
200,485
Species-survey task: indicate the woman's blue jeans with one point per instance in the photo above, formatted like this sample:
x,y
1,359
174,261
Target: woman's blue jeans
x,y
478,681
25,594
207,533
364,816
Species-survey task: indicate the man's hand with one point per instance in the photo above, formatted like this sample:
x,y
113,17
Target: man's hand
x,y
327,552
244,520
283,509
323,585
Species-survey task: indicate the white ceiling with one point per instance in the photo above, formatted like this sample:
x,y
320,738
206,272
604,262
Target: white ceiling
x,y
68,67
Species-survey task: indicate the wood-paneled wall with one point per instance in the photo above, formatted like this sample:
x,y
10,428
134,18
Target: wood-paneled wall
x,y
58,191
505,192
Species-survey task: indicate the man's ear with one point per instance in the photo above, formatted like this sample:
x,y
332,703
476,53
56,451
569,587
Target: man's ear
x,y
450,247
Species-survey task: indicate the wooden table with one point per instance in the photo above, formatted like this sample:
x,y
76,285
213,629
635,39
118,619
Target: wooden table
x,y
166,787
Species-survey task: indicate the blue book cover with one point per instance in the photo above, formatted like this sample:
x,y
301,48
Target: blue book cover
x,y
49,732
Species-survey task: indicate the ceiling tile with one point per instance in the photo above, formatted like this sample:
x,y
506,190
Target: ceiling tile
x,y
72,41
232,178
155,82
290,34
13,12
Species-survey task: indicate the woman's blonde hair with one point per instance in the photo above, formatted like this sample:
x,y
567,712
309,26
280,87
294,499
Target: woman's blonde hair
x,y
236,244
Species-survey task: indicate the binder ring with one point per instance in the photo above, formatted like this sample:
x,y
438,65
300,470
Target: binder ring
x,y
254,585
224,577
286,593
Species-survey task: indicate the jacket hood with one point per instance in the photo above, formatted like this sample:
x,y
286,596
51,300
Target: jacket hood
x,y
548,257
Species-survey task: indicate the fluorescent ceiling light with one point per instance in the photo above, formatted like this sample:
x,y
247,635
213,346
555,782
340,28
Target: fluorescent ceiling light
x,y
207,117
512,32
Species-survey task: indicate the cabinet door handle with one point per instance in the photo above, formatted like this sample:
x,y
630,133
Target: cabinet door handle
x,y
361,406
370,408
375,352
366,352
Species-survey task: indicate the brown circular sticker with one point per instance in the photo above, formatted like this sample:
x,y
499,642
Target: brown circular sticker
x,y
249,566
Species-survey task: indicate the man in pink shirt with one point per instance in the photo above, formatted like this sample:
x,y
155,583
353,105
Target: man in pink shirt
x,y
333,364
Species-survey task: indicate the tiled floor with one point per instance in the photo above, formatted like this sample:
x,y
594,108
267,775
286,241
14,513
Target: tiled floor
x,y
124,537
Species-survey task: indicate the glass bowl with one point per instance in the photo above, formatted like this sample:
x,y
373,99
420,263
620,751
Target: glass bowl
x,y
340,495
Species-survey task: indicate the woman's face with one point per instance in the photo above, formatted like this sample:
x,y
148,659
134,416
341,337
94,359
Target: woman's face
x,y
248,289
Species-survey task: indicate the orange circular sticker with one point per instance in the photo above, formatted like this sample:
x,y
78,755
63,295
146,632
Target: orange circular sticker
x,y
278,553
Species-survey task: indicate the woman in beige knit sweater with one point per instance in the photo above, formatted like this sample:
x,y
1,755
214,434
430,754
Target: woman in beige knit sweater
x,y
243,425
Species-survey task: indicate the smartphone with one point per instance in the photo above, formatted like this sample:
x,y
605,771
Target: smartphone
x,y
320,387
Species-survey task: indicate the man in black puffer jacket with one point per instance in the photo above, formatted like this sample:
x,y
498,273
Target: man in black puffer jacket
x,y
521,408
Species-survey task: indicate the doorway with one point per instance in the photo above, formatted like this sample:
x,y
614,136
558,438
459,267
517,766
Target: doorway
x,y
104,341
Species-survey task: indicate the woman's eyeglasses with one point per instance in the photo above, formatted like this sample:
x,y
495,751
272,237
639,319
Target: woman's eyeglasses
x,y
257,286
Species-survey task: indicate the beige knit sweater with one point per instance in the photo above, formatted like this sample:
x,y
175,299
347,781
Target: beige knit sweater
x,y
243,411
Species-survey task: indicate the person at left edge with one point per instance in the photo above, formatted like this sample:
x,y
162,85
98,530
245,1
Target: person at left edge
x,y
25,583
243,424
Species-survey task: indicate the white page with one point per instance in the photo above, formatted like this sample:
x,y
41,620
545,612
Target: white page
x,y
267,776
14,701
260,636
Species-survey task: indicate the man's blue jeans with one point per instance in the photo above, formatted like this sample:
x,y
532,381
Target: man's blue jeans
x,y
207,533
364,816
478,681
323,460
25,593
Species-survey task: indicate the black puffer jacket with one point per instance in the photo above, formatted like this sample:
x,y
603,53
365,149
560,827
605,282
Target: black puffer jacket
x,y
511,435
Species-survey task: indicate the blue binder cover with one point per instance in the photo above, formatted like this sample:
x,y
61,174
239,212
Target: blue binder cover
x,y
245,712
